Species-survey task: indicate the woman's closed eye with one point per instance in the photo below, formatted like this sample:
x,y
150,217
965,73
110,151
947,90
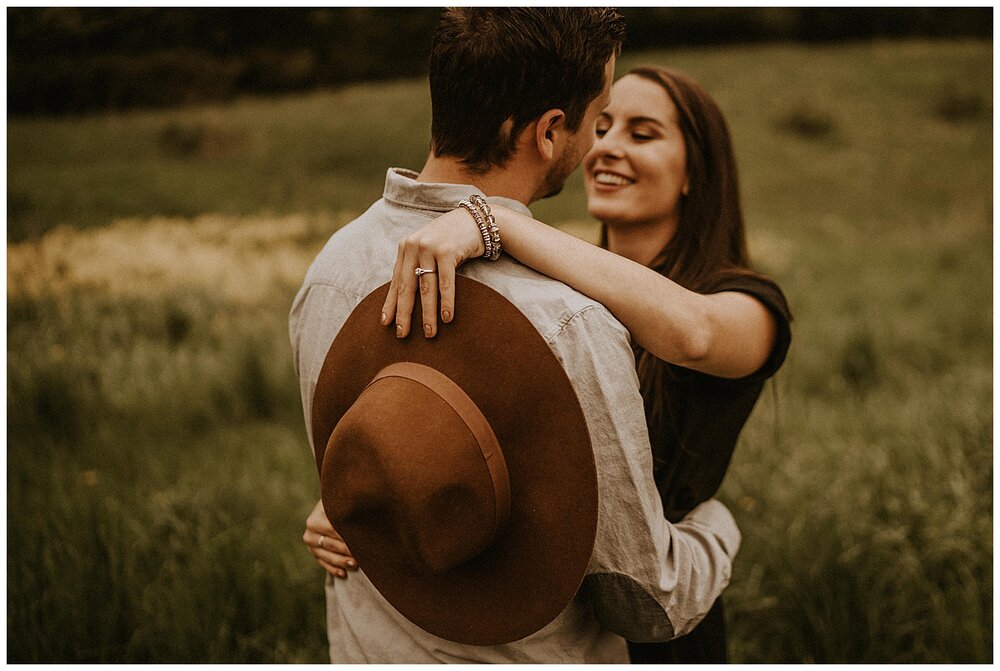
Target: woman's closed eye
x,y
644,131
637,136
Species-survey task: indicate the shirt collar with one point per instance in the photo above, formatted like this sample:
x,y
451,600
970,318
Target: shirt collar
x,y
403,189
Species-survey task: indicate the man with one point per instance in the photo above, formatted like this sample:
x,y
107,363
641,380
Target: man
x,y
515,95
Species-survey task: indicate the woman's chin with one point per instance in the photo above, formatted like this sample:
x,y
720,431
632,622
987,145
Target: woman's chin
x,y
604,211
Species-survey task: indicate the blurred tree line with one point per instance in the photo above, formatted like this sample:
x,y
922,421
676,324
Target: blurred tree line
x,y
76,59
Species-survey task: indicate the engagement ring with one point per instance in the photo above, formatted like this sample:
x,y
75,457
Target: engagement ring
x,y
423,271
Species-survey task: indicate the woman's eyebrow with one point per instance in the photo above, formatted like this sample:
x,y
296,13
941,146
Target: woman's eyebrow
x,y
636,120
633,121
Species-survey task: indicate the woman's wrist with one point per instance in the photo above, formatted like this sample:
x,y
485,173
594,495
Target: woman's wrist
x,y
479,223
490,232
489,245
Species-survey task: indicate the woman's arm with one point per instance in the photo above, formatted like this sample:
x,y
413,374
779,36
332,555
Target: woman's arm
x,y
727,334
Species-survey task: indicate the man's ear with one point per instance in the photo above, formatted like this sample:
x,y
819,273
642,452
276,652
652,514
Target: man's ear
x,y
549,131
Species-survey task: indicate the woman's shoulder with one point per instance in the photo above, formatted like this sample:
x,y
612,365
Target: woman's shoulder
x,y
767,291
760,286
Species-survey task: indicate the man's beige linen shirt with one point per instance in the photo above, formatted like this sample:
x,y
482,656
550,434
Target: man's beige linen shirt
x,y
647,579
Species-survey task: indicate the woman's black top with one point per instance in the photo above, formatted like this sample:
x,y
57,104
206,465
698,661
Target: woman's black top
x,y
704,414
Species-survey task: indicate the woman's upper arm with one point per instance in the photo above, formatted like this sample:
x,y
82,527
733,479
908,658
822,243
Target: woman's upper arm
x,y
742,332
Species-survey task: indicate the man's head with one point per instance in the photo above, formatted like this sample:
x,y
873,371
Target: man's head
x,y
495,72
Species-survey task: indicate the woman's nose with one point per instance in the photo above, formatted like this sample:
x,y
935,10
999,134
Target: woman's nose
x,y
609,145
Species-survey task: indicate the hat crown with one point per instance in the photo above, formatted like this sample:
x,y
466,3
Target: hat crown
x,y
414,475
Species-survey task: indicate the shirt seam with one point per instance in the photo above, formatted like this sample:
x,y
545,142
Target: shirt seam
x,y
417,207
331,285
564,322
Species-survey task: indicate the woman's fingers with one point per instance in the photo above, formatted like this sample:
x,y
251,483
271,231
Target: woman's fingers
x,y
334,564
334,544
437,248
331,553
330,541
406,284
338,560
446,285
429,295
332,570
389,307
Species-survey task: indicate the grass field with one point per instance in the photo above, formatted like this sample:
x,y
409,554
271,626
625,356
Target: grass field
x,y
158,476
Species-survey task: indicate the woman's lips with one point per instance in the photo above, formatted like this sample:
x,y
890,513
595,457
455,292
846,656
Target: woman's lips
x,y
604,180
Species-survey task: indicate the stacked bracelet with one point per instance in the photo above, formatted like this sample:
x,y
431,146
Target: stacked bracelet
x,y
483,216
491,225
477,215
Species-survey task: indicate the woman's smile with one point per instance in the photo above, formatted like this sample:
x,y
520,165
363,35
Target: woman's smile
x,y
607,180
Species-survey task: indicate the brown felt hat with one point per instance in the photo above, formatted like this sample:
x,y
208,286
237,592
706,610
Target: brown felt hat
x,y
458,469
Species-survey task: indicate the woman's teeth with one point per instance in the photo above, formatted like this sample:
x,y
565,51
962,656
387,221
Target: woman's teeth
x,y
611,179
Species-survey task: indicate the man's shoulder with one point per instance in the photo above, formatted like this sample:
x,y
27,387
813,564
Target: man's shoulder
x,y
359,256
557,310
349,238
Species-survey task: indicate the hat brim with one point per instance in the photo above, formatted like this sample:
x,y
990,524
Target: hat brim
x,y
494,353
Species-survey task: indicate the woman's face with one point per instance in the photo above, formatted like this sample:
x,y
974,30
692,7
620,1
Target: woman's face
x,y
636,172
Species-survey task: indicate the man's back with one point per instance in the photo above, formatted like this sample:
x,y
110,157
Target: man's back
x,y
362,626
628,579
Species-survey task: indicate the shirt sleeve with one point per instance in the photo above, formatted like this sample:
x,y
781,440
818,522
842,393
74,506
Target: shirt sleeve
x,y
771,296
648,580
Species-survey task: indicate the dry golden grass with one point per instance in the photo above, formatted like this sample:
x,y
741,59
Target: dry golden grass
x,y
238,259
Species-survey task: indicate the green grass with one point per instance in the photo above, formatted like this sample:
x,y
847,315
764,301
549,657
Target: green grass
x,y
321,151
158,476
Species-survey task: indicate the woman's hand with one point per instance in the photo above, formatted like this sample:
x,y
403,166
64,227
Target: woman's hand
x,y
441,246
326,545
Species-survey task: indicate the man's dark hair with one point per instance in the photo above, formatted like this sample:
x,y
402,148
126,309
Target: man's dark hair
x,y
493,64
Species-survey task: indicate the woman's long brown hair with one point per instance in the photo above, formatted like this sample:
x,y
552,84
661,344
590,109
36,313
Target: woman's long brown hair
x,y
709,244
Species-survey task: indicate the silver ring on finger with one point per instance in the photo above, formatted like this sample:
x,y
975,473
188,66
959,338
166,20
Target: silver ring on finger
x,y
423,271
320,541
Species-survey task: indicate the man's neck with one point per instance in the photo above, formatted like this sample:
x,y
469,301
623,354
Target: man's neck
x,y
504,182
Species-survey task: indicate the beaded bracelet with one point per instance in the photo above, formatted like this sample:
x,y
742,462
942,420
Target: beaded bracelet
x,y
491,226
483,230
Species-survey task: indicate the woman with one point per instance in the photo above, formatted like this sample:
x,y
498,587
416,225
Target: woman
x,y
706,329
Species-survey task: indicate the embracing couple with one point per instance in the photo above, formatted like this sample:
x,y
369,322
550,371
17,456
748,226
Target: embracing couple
x,y
518,458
